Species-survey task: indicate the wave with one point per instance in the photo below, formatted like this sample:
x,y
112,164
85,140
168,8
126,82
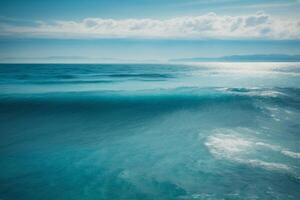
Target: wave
x,y
267,165
71,82
256,92
232,145
148,75
282,150
177,90
33,77
179,98
290,153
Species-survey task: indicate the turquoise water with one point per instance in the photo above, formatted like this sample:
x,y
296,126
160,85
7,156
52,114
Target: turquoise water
x,y
124,131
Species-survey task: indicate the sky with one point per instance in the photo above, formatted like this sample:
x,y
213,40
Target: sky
x,y
145,30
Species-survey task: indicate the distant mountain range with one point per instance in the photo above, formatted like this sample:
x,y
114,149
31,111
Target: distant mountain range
x,y
243,58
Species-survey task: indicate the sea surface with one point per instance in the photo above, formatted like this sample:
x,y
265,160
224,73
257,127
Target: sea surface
x,y
208,131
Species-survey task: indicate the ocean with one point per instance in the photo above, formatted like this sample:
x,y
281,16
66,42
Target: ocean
x,y
213,131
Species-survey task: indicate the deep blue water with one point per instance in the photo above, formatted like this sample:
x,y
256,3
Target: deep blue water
x,y
134,131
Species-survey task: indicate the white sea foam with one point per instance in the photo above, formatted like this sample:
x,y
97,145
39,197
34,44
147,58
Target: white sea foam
x,y
267,165
269,93
227,145
290,153
271,108
254,92
234,147
264,93
284,151
269,146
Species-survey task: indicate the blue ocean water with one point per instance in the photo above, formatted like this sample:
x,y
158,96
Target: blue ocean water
x,y
139,131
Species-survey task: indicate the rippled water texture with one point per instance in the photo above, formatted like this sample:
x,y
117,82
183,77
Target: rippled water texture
x,y
195,131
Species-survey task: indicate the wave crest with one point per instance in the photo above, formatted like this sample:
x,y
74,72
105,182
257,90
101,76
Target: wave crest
x,y
230,145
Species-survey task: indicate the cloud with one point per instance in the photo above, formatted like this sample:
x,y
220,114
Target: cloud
x,y
209,26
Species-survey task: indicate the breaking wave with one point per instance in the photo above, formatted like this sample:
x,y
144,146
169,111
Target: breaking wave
x,y
233,146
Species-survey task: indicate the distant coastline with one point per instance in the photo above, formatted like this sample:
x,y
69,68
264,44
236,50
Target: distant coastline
x,y
243,58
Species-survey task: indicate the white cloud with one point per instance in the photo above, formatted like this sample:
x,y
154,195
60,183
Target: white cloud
x,y
211,25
